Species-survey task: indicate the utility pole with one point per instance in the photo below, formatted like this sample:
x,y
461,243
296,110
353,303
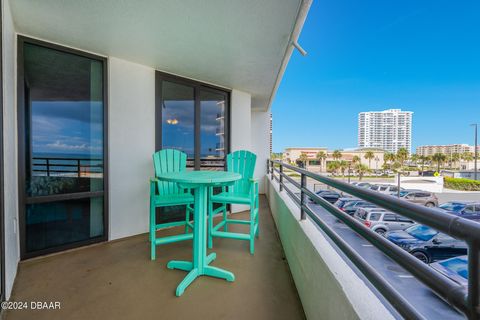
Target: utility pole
x,y
476,151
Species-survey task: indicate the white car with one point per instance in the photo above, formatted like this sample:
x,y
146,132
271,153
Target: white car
x,y
385,188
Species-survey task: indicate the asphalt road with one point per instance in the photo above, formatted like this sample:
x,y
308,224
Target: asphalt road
x,y
420,296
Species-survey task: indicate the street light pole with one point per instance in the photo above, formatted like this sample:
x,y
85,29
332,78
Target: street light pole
x,y
476,151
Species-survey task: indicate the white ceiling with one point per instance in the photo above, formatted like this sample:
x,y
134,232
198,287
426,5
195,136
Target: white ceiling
x,y
235,44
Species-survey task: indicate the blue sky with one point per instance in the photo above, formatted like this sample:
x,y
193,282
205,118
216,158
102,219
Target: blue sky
x,y
67,127
420,56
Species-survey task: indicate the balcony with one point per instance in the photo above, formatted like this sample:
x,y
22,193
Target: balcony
x,y
117,280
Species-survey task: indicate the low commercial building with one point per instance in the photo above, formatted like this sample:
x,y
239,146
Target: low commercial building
x,y
292,155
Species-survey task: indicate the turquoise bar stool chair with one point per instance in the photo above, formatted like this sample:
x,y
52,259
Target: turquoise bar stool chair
x,y
244,191
166,194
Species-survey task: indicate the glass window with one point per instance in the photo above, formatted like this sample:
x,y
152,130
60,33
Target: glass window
x,y
421,232
212,130
62,119
178,108
375,216
404,219
389,217
452,206
58,223
194,120
469,209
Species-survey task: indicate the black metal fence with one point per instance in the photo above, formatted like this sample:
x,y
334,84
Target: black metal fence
x,y
466,301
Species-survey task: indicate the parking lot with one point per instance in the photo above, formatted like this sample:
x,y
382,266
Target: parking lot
x,y
420,296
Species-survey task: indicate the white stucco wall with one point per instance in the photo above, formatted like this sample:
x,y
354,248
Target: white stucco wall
x,y
260,145
328,287
12,249
131,145
240,120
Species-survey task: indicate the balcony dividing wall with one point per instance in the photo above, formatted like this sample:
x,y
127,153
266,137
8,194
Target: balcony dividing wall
x,y
12,252
328,287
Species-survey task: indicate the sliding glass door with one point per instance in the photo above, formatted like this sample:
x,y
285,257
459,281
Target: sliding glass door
x,y
194,118
62,138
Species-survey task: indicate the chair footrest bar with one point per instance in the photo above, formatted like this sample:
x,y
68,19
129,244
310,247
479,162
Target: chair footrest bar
x,y
170,239
218,226
231,235
238,221
170,224
220,209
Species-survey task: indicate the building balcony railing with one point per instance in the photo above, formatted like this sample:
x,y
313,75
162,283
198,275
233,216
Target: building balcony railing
x,y
66,167
464,300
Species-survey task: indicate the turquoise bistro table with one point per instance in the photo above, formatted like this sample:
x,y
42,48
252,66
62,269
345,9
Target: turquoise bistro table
x,y
200,182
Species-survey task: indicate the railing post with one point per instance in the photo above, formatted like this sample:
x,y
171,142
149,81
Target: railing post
x,y
281,177
48,167
78,167
271,170
268,166
303,183
473,280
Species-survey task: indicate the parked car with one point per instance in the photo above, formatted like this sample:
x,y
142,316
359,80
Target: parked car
x,y
424,198
464,209
342,202
329,195
382,221
363,184
385,188
454,268
427,244
351,206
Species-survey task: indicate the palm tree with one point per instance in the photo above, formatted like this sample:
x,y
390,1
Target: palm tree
x,y
467,156
343,165
332,167
455,158
369,155
389,157
321,156
356,159
361,170
439,158
402,156
337,155
303,158
423,159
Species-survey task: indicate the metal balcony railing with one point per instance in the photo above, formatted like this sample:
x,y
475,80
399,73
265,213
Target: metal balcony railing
x,y
79,167
466,302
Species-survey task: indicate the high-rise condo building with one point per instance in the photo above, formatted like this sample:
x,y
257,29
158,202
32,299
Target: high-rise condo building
x,y
389,130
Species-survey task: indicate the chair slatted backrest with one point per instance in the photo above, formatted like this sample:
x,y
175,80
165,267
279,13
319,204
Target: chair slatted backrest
x,y
166,161
242,162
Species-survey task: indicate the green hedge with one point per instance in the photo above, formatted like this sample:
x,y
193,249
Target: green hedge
x,y
461,184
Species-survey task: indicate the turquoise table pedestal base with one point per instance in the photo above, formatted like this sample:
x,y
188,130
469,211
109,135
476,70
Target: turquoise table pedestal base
x,y
200,264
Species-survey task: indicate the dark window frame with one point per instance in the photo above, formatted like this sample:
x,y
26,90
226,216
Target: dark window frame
x,y
22,199
2,190
198,86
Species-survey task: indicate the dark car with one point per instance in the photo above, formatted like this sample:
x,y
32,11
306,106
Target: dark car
x,y
454,268
465,209
342,202
351,206
329,195
427,244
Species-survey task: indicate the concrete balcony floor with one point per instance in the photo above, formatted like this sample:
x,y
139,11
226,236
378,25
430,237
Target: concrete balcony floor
x,y
117,280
